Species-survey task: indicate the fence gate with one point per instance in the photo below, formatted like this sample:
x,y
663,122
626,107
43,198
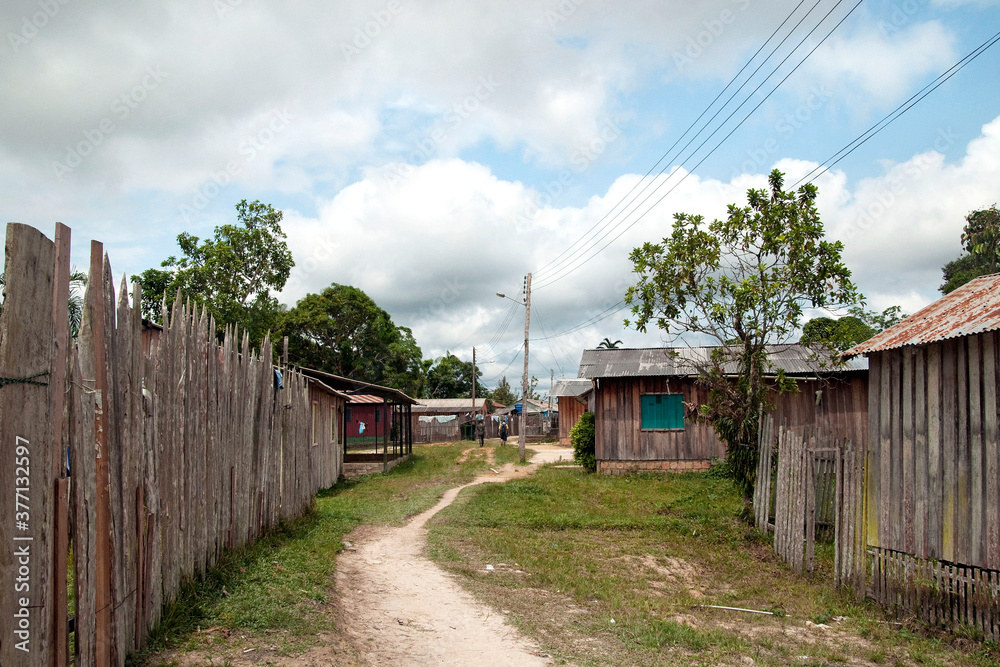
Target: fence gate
x,y
816,482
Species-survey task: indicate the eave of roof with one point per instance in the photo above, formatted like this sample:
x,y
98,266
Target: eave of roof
x,y
973,308
350,386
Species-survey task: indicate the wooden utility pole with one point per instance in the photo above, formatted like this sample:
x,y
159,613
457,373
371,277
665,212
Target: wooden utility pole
x,y
524,378
475,420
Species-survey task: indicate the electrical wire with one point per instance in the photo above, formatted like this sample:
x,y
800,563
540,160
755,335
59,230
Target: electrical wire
x,y
567,271
889,118
549,280
540,272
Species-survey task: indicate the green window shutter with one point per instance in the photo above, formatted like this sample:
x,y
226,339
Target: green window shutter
x,y
662,411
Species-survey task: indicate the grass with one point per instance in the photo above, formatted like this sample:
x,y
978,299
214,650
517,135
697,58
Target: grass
x,y
620,570
598,570
281,586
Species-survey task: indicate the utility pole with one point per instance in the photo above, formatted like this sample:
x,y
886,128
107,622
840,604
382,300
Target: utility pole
x,y
524,378
548,424
475,421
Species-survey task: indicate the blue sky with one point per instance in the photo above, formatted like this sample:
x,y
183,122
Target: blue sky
x,y
432,153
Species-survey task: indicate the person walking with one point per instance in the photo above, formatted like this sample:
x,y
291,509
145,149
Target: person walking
x,y
480,429
503,433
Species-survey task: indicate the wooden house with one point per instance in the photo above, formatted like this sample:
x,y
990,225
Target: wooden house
x,y
573,398
644,402
388,410
326,450
447,419
932,486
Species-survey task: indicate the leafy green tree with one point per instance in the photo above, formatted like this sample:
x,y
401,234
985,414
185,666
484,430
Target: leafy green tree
x,y
503,393
981,240
342,331
608,344
451,377
583,436
232,274
742,281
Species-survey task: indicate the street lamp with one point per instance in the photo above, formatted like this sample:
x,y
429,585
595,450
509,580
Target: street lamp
x,y
524,377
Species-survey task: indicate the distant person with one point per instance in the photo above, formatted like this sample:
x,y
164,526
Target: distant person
x,y
503,433
481,431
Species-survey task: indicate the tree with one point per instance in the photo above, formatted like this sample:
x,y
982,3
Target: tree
x,y
344,332
503,393
607,344
451,377
232,274
742,281
845,332
583,435
981,240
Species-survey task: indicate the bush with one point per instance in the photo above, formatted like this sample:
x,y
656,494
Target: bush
x,y
582,436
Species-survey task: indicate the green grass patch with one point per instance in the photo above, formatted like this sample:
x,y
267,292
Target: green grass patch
x,y
614,570
283,582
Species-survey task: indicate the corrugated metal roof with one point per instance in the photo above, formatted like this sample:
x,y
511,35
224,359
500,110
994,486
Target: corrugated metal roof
x,y
454,405
348,385
686,361
971,309
574,387
366,398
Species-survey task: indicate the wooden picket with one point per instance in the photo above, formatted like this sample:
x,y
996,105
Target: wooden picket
x,y
176,454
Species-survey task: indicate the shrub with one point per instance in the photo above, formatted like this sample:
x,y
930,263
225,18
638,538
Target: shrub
x,y
582,435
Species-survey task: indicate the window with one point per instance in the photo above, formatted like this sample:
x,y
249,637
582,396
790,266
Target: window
x,y
662,411
333,424
315,423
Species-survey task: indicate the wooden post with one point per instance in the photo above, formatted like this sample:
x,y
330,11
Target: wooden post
x,y
524,377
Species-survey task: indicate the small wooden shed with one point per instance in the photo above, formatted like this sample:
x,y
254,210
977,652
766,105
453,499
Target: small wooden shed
x,y
573,398
932,481
644,398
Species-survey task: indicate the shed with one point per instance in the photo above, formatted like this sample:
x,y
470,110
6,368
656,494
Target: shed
x,y
644,401
392,439
327,433
933,462
442,419
573,398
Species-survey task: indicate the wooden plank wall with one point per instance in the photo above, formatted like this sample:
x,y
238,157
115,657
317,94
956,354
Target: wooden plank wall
x,y
840,413
934,461
619,423
180,448
570,411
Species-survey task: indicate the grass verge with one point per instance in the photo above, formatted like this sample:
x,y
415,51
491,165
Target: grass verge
x,y
622,570
275,595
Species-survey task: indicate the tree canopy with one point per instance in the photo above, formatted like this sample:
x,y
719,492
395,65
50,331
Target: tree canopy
x,y
232,274
451,377
845,332
743,281
981,242
342,331
503,393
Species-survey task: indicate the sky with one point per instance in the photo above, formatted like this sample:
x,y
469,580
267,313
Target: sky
x,y
433,153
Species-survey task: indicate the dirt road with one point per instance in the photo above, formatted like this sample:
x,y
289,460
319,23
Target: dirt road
x,y
401,609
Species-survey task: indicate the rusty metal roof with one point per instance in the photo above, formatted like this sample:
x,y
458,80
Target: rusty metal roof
x,y
793,359
365,398
971,309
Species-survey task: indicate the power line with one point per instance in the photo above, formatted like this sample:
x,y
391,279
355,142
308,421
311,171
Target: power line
x,y
568,271
549,280
889,118
695,122
605,314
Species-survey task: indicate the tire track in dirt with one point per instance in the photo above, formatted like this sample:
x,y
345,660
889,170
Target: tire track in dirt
x,y
400,608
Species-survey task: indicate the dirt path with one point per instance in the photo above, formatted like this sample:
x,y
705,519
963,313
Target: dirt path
x,y
401,609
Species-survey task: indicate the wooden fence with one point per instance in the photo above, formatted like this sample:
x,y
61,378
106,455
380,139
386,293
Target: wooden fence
x,y
816,481
147,465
